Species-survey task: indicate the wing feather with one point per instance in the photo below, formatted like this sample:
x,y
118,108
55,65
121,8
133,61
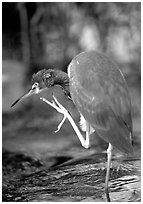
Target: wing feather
x,y
104,101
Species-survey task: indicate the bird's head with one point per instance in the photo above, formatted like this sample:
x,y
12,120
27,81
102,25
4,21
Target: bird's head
x,y
44,79
41,80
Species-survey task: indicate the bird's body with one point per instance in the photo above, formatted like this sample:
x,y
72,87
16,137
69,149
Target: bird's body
x,y
101,95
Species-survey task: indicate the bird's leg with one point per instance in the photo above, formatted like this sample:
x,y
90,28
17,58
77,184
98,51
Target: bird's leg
x,y
87,141
109,157
85,127
61,123
68,116
55,104
59,109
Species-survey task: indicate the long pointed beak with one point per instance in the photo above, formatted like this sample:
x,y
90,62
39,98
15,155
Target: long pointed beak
x,y
29,93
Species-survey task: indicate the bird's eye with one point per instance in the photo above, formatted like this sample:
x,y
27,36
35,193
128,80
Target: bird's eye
x,y
35,85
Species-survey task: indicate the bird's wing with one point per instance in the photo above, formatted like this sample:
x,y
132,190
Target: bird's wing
x,y
105,104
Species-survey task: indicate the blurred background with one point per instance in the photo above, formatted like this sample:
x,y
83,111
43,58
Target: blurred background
x,y
48,35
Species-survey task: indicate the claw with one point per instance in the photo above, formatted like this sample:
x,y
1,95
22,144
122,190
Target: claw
x,y
61,123
61,109
55,104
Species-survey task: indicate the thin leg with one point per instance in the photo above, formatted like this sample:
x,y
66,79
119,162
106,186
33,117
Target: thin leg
x,y
85,127
109,157
87,141
55,104
61,123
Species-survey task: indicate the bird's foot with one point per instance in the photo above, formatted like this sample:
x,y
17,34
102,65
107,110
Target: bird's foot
x,y
107,195
61,123
61,109
55,104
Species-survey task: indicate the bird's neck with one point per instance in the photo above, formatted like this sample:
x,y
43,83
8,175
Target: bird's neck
x,y
62,79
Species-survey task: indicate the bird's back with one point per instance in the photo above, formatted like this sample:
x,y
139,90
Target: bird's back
x,y
100,93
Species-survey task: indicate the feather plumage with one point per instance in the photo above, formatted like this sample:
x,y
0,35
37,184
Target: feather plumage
x,y
101,95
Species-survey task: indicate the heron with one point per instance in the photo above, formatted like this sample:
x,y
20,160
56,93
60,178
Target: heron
x,y
100,93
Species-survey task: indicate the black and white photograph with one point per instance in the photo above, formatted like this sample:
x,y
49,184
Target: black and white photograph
x,y
71,101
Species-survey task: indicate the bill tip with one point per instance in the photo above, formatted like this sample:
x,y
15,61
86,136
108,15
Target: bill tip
x,y
14,103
